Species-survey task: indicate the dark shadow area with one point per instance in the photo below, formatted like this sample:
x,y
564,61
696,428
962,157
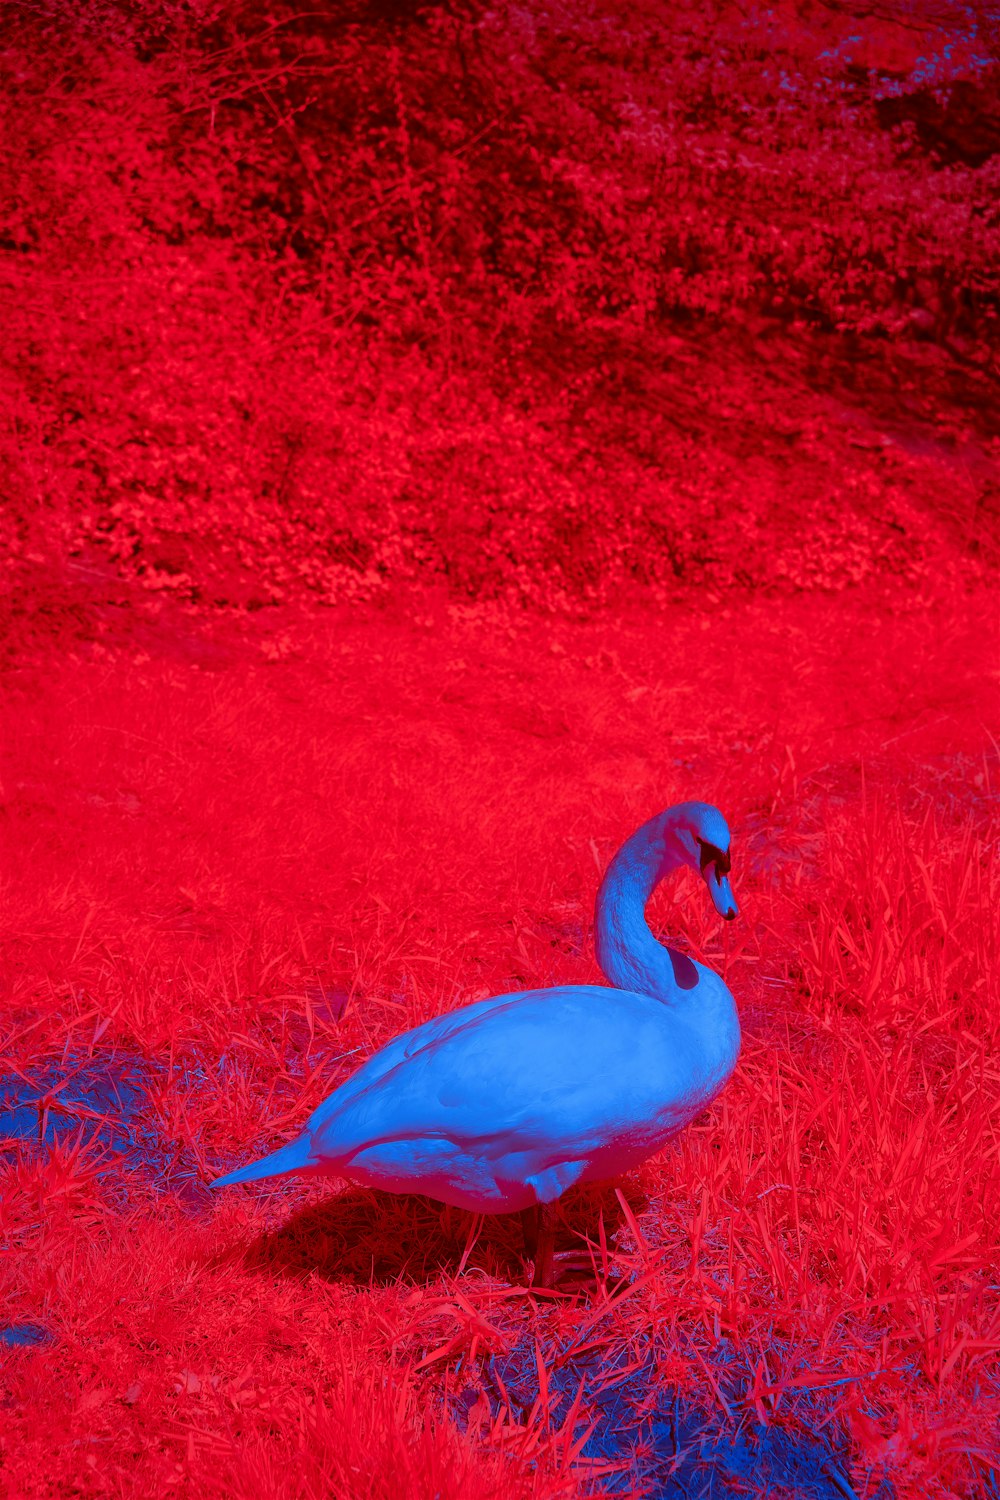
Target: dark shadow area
x,y
685,973
369,1238
957,125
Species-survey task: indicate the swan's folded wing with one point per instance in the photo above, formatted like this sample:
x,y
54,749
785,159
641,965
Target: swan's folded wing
x,y
429,1033
569,1069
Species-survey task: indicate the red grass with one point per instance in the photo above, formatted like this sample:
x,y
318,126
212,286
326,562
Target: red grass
x,y
204,856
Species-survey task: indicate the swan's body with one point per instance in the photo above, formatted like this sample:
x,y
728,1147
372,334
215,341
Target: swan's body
x,y
504,1104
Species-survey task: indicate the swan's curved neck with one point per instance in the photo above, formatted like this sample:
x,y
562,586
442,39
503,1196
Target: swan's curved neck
x,y
627,951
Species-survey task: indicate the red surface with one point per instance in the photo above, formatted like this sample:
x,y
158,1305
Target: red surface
x,y
390,537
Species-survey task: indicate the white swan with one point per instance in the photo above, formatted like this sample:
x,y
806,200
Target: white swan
x,y
504,1104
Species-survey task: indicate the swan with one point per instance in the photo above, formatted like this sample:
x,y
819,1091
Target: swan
x,y
502,1105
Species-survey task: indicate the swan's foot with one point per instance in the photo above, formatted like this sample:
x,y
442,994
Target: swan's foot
x,y
575,1264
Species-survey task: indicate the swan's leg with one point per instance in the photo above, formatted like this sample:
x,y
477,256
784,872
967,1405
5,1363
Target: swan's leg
x,y
544,1246
529,1228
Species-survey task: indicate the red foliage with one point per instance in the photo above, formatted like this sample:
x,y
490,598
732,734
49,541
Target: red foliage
x,y
535,305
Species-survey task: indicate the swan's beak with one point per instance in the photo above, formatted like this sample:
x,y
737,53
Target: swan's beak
x,y
721,892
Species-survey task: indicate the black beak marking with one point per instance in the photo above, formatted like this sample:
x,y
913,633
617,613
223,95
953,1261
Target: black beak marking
x,y
712,856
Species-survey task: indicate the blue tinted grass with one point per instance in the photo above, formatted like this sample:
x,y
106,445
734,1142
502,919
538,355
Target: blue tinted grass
x,y
24,1336
661,1443
108,1097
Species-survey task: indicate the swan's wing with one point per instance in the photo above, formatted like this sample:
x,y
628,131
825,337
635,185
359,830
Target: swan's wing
x,y
403,1046
558,1072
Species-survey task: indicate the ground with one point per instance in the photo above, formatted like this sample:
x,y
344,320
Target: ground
x,y
248,851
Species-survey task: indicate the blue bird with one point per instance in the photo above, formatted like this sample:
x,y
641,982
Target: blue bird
x,y
502,1105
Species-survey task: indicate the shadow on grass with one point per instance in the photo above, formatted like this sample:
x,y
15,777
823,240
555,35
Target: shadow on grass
x,y
370,1238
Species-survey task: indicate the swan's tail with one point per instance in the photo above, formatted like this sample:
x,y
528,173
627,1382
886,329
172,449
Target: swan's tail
x,y
290,1158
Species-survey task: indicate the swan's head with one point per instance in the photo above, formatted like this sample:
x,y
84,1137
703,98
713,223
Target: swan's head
x,y
699,830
